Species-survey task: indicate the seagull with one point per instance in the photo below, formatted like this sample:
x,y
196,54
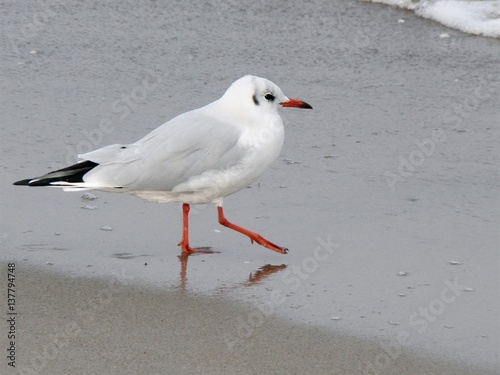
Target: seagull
x,y
198,157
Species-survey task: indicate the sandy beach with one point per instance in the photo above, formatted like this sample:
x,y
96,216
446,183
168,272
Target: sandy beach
x,y
88,326
386,193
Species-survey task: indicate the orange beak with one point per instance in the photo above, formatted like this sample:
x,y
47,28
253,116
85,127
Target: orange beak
x,y
296,103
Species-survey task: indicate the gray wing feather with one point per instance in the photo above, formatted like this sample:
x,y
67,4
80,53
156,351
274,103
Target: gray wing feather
x,y
184,147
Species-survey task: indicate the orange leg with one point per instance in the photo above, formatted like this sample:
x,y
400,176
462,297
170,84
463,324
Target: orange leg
x,y
253,236
185,234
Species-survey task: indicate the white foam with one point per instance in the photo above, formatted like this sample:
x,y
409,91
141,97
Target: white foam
x,y
479,17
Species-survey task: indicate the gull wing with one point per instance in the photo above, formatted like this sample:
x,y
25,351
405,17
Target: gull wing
x,y
184,147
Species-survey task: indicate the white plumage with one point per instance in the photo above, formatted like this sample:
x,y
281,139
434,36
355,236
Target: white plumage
x,y
200,156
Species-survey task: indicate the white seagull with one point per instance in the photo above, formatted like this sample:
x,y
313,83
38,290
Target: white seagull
x,y
198,157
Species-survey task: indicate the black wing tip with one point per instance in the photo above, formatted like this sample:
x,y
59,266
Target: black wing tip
x,y
73,173
34,182
23,182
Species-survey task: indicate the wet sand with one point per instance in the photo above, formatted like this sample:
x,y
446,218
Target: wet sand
x,y
96,326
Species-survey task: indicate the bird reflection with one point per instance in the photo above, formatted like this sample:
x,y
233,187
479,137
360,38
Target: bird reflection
x,y
262,273
255,277
184,263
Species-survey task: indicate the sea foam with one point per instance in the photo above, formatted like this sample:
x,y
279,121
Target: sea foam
x,y
478,17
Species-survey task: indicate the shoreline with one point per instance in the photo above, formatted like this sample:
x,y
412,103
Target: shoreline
x,y
83,325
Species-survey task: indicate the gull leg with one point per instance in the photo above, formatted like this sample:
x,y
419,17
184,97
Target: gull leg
x,y
253,236
184,244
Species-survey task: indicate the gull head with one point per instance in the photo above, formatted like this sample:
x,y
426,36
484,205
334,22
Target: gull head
x,y
258,96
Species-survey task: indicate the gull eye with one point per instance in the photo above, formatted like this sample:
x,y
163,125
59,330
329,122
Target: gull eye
x,y
269,97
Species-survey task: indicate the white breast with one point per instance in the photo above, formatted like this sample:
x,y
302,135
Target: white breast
x,y
260,146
